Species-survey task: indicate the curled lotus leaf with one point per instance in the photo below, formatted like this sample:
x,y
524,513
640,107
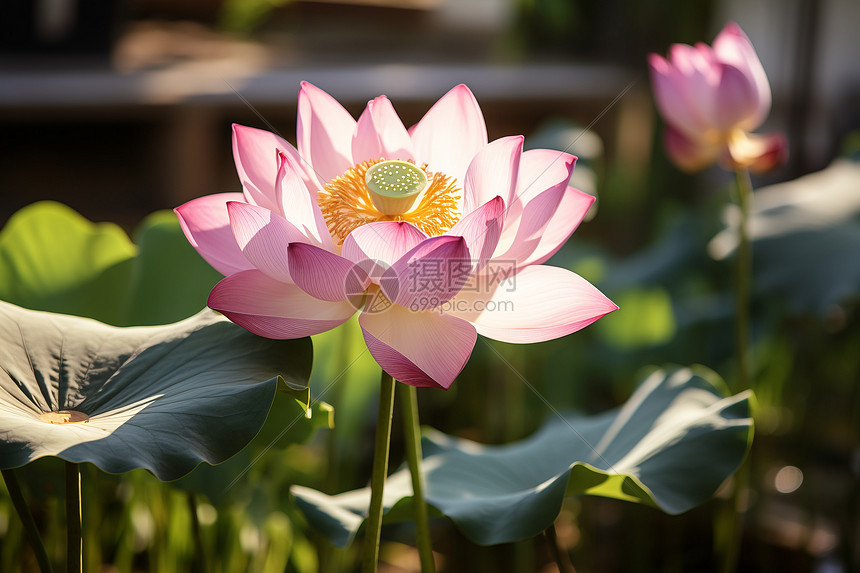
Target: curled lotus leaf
x,y
670,446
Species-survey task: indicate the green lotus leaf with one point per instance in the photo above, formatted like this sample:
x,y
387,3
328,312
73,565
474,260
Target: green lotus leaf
x,y
669,446
165,252
291,421
53,259
161,398
805,236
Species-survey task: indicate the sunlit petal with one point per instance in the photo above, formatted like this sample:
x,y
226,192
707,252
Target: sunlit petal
x,y
418,348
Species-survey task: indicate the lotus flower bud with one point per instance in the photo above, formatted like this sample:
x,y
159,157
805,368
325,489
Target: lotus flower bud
x,y
711,98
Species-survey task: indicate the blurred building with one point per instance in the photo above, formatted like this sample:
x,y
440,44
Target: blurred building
x,y
120,107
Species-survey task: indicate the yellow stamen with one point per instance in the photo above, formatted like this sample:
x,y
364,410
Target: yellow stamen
x,y
346,203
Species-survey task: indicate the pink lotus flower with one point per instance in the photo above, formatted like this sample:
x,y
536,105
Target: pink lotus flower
x,y
711,99
432,233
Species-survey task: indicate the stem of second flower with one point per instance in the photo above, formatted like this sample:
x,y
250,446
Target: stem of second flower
x,y
743,280
412,431
734,513
380,471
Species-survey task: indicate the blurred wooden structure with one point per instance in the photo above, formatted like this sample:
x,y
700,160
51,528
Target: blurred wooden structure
x,y
152,129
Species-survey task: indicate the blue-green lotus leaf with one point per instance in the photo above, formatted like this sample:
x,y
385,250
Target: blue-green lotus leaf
x,y
669,446
805,235
162,398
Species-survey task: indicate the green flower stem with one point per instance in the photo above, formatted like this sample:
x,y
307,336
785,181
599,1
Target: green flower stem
x,y
412,435
562,560
74,546
380,470
30,529
734,516
742,281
